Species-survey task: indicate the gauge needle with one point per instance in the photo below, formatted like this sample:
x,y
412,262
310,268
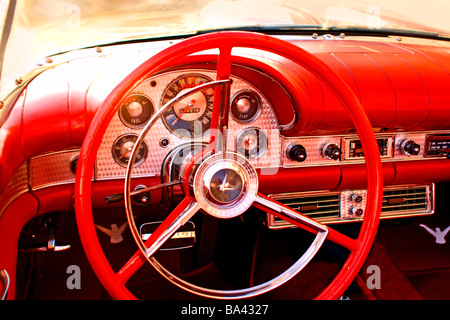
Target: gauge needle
x,y
129,150
247,141
189,106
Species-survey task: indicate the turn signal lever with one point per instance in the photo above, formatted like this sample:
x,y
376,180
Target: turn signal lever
x,y
141,194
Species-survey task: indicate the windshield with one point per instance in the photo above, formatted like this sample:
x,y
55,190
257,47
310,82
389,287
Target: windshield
x,y
44,27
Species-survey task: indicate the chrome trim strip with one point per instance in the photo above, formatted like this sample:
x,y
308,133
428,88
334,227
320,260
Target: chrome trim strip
x,y
52,169
292,214
171,230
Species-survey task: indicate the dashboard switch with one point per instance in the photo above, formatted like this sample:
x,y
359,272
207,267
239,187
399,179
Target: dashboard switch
x,y
296,152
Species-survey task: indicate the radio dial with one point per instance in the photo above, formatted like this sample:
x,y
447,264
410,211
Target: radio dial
x,y
332,151
297,153
410,148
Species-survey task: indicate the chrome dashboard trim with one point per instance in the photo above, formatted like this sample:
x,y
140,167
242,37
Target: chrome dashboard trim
x,y
314,145
346,204
52,169
17,186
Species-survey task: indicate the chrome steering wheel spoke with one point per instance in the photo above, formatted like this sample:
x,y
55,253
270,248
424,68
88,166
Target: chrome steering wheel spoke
x,y
179,216
286,213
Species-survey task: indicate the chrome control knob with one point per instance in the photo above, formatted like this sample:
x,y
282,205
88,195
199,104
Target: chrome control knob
x,y
410,148
357,211
331,151
357,198
296,152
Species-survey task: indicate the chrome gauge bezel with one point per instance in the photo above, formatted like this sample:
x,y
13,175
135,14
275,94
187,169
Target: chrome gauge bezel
x,y
261,144
257,109
142,154
189,130
148,111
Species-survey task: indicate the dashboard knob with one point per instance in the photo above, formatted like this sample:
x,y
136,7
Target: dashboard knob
x,y
357,211
332,151
297,153
73,164
410,148
357,198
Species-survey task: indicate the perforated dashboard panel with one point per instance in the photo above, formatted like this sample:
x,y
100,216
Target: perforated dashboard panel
x,y
154,88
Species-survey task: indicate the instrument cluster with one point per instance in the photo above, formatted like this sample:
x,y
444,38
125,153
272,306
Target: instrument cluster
x,y
252,126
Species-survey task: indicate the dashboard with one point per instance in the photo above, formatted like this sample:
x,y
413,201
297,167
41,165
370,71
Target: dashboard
x,y
254,132
285,122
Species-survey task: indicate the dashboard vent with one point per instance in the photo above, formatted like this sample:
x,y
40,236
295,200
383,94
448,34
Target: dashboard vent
x,y
408,200
336,207
323,207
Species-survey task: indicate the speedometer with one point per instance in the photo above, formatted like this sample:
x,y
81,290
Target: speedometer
x,y
191,116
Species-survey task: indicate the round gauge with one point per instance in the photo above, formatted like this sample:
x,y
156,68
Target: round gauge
x,y
122,148
245,106
251,143
191,116
136,111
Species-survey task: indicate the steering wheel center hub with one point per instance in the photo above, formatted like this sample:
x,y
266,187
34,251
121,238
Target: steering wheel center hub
x,y
225,185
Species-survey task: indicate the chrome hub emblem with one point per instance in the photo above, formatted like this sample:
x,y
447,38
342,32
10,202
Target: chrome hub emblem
x,y
225,186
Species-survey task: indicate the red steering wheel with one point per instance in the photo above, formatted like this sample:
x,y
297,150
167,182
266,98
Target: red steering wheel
x,y
214,160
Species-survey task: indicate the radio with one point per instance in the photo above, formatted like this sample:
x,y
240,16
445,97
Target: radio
x,y
437,145
353,148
